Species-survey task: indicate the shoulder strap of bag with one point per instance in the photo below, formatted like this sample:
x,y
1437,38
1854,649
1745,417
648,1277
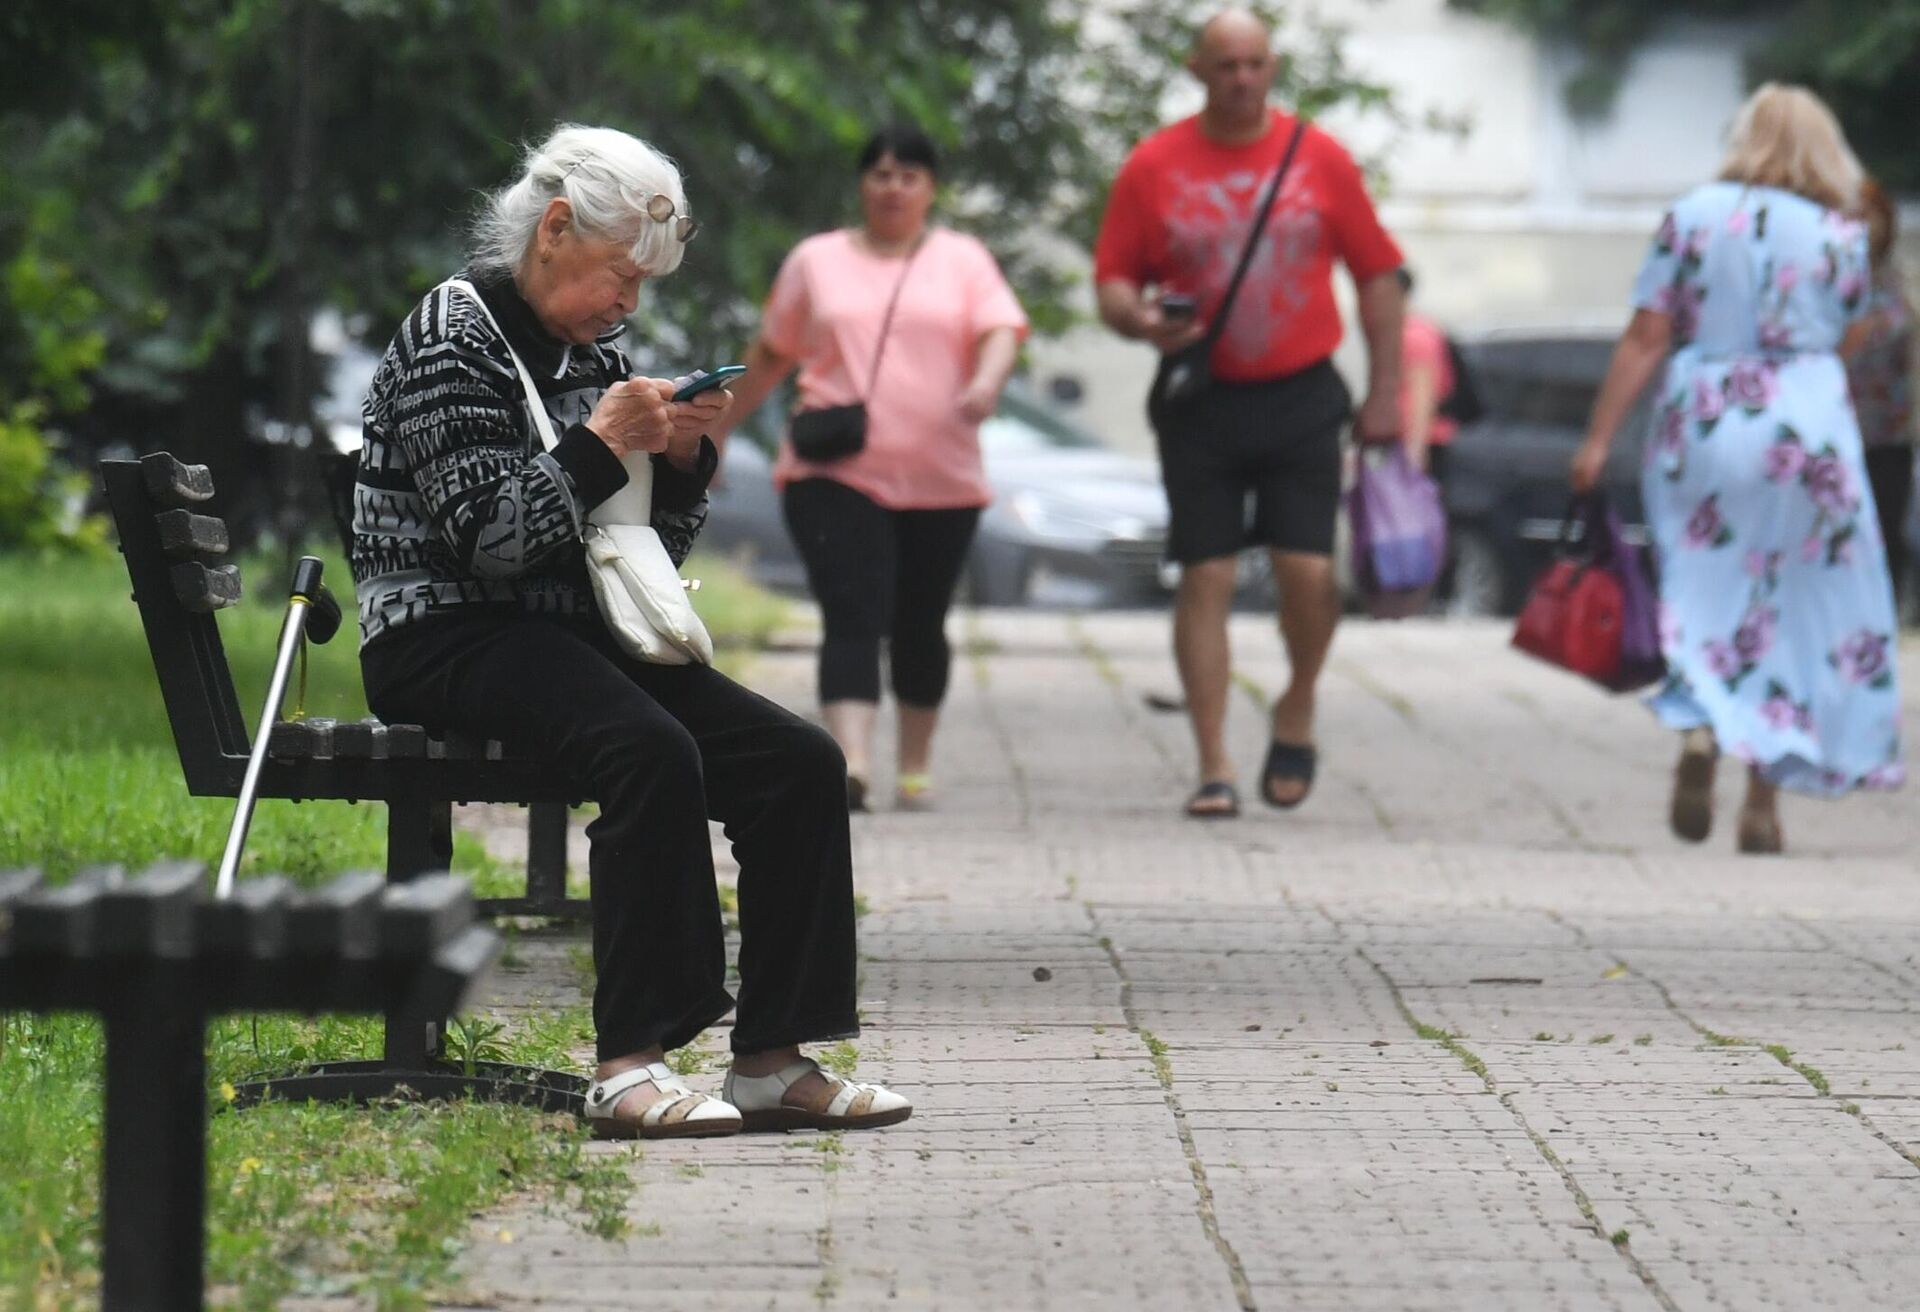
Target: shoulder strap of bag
x,y
541,420
886,324
1219,324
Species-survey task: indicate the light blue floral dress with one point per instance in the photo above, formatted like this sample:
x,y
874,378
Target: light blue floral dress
x,y
1776,615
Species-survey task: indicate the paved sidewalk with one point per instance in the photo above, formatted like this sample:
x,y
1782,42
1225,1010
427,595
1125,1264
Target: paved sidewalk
x,y
1469,1030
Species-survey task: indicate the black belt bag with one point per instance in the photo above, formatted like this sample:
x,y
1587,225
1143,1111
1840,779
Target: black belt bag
x,y
830,434
837,431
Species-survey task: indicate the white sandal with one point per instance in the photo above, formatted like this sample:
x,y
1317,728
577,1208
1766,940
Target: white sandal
x,y
761,1100
679,1113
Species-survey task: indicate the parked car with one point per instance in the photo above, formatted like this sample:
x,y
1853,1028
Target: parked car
x,y
1506,493
1072,520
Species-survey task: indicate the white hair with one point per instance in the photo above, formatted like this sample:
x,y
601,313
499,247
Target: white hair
x,y
607,177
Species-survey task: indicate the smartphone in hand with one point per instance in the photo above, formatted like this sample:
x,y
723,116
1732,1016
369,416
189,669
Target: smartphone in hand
x,y
707,380
1178,307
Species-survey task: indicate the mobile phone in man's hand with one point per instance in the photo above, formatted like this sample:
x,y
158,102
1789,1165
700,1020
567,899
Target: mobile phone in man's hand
x,y
1177,307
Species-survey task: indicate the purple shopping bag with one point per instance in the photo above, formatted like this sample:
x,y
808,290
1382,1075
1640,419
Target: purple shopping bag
x,y
1399,533
1640,659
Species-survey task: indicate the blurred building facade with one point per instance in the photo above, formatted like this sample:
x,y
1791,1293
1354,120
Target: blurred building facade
x,y
1531,218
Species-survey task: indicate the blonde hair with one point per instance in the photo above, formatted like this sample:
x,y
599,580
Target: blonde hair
x,y
606,176
1786,137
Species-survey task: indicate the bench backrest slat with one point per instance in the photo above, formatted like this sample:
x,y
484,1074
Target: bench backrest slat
x,y
195,681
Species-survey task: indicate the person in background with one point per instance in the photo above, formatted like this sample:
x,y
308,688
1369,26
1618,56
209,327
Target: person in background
x,y
1880,377
1268,426
884,532
1427,383
1776,618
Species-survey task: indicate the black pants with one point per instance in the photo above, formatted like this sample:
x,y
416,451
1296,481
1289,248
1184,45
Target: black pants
x,y
661,748
1890,472
879,574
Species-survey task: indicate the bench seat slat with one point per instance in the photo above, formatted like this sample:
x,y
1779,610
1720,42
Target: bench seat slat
x,y
441,986
421,914
252,922
360,740
63,921
310,739
338,919
151,916
15,884
406,742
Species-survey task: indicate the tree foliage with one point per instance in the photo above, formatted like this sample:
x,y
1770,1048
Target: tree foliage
x,y
184,183
1863,58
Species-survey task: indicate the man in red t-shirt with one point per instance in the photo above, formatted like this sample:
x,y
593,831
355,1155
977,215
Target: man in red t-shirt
x,y
1267,428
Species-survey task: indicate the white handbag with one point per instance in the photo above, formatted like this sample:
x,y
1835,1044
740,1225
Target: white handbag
x,y
641,595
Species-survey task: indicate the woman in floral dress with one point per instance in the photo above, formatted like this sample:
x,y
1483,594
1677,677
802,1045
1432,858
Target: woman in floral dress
x,y
1776,615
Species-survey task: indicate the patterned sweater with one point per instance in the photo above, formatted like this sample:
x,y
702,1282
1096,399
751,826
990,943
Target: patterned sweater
x,y
457,507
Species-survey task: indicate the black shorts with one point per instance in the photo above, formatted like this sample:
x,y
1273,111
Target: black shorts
x,y
1275,444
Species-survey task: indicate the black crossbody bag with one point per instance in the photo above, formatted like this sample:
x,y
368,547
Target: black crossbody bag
x,y
837,431
1189,371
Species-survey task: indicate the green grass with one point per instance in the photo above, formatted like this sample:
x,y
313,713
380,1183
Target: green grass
x,y
308,1199
373,1203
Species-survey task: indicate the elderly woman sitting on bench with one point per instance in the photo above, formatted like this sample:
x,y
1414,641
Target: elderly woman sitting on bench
x,y
476,615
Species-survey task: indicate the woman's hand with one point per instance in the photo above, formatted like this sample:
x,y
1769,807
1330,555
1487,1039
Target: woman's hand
x,y
693,420
700,415
634,415
1589,462
978,400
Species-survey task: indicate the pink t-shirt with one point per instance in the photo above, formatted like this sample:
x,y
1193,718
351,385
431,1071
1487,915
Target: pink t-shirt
x,y
1422,343
825,311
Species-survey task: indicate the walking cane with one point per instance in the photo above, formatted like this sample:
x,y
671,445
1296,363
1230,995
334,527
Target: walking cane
x,y
311,613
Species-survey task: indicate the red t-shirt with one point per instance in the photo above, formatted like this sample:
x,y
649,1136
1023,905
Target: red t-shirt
x,y
1178,217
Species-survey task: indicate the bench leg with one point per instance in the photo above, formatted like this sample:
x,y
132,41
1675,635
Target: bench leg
x,y
547,852
419,839
546,894
154,1161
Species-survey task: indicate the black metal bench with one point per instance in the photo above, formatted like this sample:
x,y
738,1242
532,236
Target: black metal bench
x,y
174,558
155,958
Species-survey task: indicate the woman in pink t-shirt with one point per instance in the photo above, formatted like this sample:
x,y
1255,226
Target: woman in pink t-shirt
x,y
1426,384
884,532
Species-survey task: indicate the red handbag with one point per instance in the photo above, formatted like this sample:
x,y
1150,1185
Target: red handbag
x,y
1573,619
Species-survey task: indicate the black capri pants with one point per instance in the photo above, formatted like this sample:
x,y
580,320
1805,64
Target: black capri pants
x,y
661,748
879,574
1275,443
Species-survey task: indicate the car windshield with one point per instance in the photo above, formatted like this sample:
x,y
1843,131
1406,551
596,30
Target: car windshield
x,y
1022,427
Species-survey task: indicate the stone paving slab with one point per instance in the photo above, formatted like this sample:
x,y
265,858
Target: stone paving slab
x,y
1468,1030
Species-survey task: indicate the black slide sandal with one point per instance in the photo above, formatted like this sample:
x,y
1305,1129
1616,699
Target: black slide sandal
x,y
1218,800
1288,761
